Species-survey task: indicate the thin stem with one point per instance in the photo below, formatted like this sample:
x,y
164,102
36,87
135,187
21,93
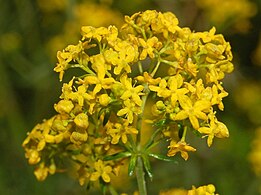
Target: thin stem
x,y
112,190
140,116
155,69
140,67
140,176
184,133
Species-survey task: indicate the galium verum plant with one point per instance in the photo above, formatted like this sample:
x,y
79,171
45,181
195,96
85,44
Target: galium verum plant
x,y
100,115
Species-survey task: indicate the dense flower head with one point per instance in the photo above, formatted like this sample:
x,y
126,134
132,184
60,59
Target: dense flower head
x,y
149,57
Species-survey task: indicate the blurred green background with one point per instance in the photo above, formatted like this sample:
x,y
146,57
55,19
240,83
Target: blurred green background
x,y
32,31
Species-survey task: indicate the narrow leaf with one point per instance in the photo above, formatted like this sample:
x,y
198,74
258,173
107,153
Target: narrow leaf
x,y
163,157
117,156
147,166
132,164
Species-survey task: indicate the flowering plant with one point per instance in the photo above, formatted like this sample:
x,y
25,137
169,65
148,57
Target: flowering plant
x,y
149,62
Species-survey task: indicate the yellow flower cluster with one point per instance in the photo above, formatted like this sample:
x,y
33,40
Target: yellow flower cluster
x,y
100,114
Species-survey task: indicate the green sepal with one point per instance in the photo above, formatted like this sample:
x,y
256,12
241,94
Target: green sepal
x,y
103,188
163,157
117,156
147,166
132,165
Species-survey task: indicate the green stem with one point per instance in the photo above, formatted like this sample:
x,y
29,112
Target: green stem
x,y
140,67
112,190
140,176
140,116
155,69
184,133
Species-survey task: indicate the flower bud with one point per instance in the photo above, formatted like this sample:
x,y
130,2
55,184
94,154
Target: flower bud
x,y
64,106
81,120
104,100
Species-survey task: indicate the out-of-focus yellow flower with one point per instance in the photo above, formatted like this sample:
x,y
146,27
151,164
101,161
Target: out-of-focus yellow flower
x,y
206,190
41,172
101,170
52,5
219,13
181,147
174,192
255,154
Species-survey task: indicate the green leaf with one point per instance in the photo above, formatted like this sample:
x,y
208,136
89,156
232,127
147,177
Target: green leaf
x,y
106,117
117,156
151,141
132,164
147,166
163,157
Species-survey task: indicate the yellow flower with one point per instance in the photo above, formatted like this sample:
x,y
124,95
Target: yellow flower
x,y
83,175
120,131
206,190
89,32
147,78
64,106
215,128
127,54
165,23
174,90
174,192
41,172
191,67
193,111
70,53
81,120
33,156
161,90
130,91
129,110
80,95
217,97
104,99
149,47
78,137
255,154
175,83
101,170
100,81
181,147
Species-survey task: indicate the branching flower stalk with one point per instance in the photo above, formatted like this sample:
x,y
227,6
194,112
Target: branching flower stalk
x,y
100,118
